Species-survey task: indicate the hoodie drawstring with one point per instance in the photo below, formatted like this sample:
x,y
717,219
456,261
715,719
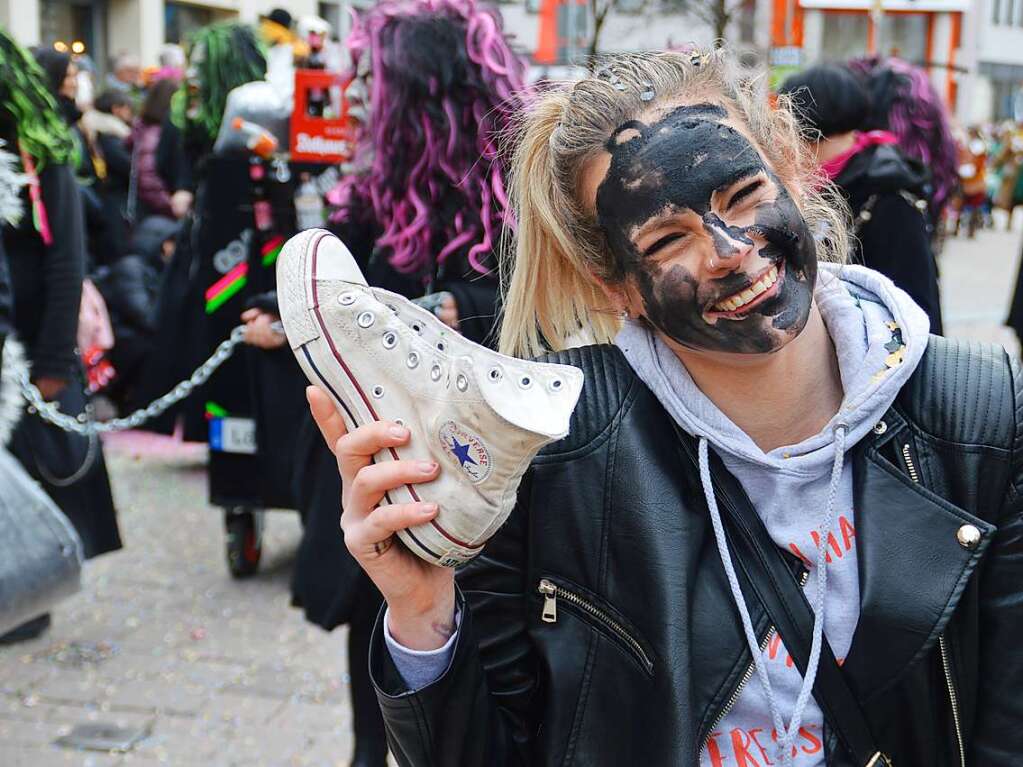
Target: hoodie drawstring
x,y
786,735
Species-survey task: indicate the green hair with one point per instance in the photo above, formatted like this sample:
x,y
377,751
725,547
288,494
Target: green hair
x,y
29,108
233,57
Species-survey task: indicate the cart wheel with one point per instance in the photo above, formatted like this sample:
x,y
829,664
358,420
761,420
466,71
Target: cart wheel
x,y
244,541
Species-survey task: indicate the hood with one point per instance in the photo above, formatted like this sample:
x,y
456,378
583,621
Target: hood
x,y
884,168
149,236
879,336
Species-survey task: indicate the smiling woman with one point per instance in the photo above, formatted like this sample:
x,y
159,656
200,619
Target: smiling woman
x,y
776,533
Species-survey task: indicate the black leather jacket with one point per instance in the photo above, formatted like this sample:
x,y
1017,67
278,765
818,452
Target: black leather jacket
x,y
646,650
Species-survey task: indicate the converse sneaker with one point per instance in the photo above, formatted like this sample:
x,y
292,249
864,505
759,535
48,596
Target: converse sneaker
x,y
481,415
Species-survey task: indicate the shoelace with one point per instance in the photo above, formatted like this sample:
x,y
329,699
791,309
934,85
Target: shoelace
x,y
786,735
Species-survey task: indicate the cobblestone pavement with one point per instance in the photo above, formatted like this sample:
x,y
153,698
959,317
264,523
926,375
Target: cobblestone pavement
x,y
224,672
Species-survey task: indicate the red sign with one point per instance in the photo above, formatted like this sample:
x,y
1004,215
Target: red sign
x,y
315,137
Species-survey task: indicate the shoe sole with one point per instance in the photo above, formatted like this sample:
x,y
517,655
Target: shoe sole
x,y
298,265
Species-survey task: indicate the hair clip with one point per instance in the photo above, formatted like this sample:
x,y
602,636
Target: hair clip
x,y
647,94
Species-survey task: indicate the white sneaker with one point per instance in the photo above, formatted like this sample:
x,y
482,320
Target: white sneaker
x,y
481,415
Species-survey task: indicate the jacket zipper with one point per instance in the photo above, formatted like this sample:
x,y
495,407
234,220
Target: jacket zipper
x,y
953,697
552,592
910,466
946,665
771,630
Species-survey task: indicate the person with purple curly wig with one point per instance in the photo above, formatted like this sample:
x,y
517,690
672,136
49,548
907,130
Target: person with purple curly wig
x,y
423,212
905,102
427,201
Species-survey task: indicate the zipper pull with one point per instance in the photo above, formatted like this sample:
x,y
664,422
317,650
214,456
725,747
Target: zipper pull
x,y
550,601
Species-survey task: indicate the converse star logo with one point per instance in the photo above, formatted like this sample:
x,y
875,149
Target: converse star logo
x,y
467,450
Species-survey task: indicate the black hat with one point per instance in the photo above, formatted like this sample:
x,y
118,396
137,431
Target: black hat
x,y
279,16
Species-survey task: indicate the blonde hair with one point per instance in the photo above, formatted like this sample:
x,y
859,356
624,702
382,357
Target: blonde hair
x,y
552,276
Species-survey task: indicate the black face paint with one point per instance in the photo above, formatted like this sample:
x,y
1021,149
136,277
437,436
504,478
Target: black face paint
x,y
676,165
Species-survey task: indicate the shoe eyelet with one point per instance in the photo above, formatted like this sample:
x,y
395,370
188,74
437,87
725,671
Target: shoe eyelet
x,y
555,385
412,360
393,308
462,382
496,374
440,346
365,319
378,391
525,382
435,372
346,299
417,328
389,340
399,421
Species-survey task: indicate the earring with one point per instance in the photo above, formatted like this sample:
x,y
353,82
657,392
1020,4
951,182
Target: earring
x,y
624,315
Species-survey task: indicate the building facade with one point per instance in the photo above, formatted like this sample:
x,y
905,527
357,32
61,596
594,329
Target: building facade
x,y
110,27
994,86
549,32
928,33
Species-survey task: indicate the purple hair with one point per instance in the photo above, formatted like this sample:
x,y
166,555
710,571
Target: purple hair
x,y
905,102
444,87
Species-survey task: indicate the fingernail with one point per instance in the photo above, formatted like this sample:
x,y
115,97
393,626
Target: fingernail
x,y
400,432
427,509
427,467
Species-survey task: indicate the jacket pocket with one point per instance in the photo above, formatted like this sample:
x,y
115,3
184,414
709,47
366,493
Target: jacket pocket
x,y
558,594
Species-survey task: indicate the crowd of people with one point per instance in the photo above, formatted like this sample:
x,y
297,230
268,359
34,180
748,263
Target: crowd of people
x,y
633,197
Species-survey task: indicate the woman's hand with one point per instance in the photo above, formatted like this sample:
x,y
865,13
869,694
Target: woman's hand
x,y
258,330
420,596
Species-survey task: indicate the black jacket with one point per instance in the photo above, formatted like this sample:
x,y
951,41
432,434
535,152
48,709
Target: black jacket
x,y
884,189
615,515
47,280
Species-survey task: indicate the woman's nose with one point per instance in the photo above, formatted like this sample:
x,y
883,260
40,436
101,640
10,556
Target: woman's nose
x,y
730,244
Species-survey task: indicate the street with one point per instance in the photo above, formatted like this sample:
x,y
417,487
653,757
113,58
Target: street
x,y
215,671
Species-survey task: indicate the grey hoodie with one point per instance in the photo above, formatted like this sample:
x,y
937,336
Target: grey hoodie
x,y
879,336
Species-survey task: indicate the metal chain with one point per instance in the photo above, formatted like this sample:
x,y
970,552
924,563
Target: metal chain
x,y
49,411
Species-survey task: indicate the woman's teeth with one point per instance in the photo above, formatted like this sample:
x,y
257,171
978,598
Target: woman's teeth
x,y
739,300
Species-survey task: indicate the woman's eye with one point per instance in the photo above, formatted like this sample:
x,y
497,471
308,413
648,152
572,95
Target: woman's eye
x,y
664,242
747,194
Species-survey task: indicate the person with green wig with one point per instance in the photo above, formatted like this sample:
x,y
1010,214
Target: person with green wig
x,y
46,260
222,56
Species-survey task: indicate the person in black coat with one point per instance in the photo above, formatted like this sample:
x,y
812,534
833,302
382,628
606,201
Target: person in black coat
x,y
887,191
46,253
61,77
131,288
108,126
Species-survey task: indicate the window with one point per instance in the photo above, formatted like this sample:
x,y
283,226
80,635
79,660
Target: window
x,y
181,20
996,11
573,23
629,6
82,21
844,36
905,35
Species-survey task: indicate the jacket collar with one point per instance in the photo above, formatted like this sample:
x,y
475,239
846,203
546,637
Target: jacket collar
x,y
912,568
